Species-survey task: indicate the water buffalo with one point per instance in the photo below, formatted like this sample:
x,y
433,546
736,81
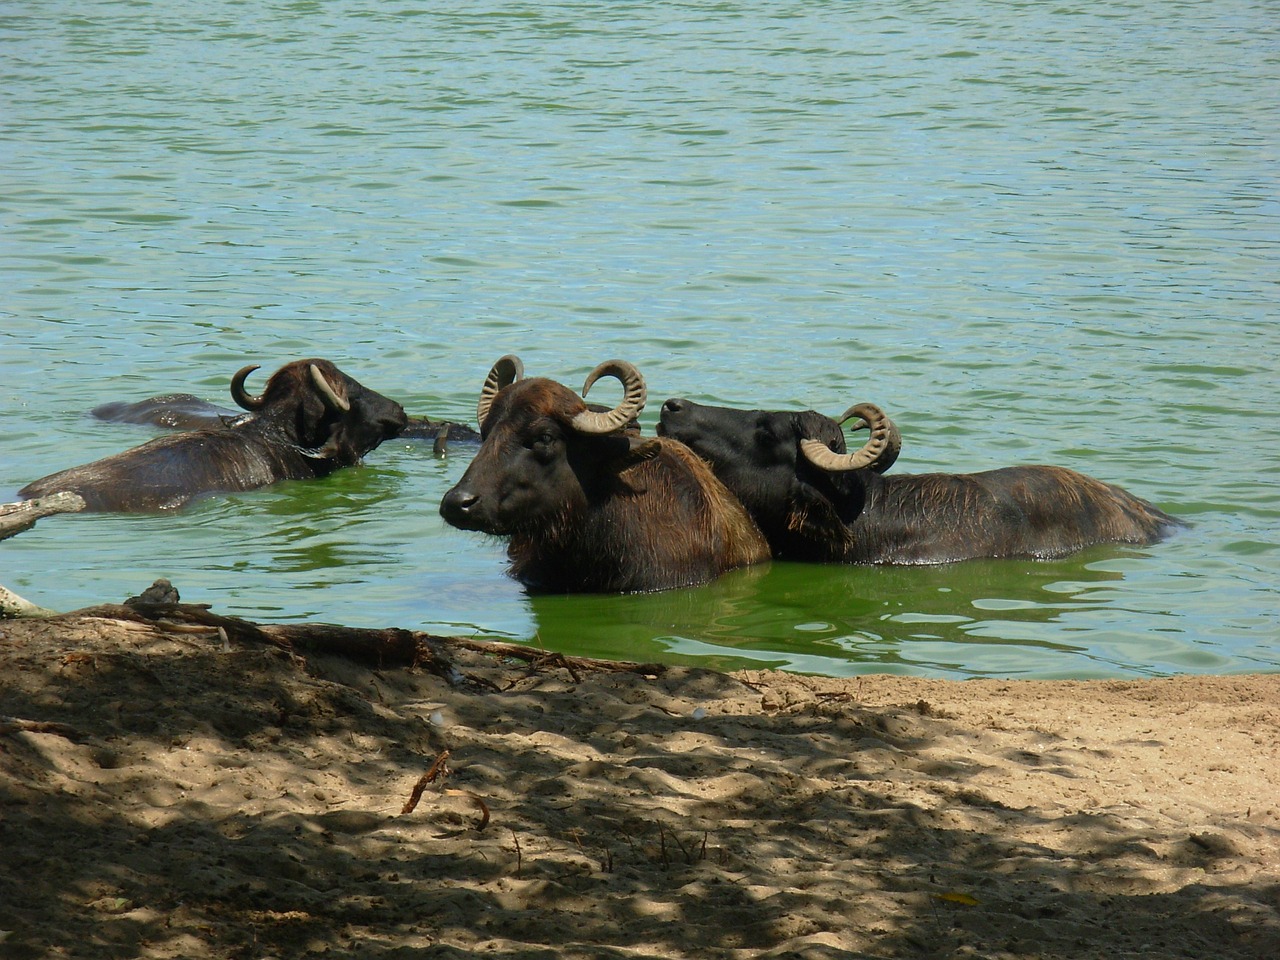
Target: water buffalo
x,y
310,420
184,411
587,504
173,411
815,502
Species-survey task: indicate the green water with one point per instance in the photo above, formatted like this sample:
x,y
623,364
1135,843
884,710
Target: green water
x,y
1031,232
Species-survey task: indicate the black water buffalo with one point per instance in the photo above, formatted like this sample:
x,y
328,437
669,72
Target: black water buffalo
x,y
184,411
173,411
588,505
815,502
310,420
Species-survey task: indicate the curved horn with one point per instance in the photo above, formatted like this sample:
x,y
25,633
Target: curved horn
x,y
633,398
878,453
331,396
505,372
238,393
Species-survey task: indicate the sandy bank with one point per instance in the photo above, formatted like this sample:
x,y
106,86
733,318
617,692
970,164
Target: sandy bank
x,y
171,792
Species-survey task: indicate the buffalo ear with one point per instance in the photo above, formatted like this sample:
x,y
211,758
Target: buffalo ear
x,y
637,450
640,449
315,428
812,516
830,503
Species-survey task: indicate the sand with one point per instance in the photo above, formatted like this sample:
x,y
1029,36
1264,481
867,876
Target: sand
x,y
172,792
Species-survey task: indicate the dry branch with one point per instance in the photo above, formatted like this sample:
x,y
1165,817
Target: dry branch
x,y
434,771
19,725
519,856
438,769
538,657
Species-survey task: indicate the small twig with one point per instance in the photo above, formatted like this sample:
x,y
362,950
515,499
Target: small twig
x,y
758,688
480,805
433,771
441,769
559,660
519,857
683,850
532,655
841,695
172,626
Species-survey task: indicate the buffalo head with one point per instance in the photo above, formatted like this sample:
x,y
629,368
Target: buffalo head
x,y
542,449
328,415
586,503
789,469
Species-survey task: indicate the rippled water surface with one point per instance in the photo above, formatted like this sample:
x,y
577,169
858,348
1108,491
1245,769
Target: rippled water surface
x,y
1032,232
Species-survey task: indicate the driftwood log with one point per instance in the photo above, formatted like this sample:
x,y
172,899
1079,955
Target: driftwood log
x,y
377,647
12,605
16,517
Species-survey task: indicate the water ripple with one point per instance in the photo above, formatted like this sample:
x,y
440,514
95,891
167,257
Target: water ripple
x,y
1032,233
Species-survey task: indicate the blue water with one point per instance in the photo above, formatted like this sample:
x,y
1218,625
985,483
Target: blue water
x,y
1031,232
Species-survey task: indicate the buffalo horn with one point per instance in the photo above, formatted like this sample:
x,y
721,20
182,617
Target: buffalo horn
x,y
633,398
878,453
238,393
505,372
335,400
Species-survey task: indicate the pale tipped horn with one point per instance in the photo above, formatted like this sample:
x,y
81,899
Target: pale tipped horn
x,y
331,396
633,398
505,372
238,393
878,453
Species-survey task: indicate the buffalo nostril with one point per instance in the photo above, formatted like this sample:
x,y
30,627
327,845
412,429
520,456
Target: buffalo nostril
x,y
458,503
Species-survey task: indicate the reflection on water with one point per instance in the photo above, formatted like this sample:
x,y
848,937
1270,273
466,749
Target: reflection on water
x,y
844,619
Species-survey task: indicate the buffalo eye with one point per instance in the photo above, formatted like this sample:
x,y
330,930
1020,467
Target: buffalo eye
x,y
543,444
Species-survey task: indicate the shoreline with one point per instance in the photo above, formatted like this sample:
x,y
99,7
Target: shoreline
x,y
168,790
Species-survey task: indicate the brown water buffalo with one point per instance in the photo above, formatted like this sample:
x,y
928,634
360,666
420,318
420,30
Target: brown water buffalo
x,y
310,420
588,505
815,502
